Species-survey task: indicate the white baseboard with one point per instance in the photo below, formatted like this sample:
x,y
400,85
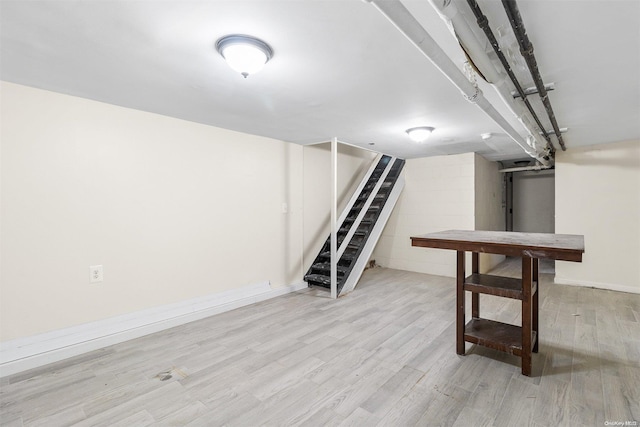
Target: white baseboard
x,y
31,352
599,285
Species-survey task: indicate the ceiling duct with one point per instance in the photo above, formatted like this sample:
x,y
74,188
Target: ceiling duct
x,y
398,14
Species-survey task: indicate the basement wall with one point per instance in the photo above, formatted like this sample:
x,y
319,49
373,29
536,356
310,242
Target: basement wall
x,y
598,196
439,194
462,192
173,210
187,220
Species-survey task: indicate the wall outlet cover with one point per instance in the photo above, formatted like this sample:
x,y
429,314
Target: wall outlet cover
x,y
95,274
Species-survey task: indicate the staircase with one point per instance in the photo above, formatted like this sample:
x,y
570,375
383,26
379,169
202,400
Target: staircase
x,y
360,226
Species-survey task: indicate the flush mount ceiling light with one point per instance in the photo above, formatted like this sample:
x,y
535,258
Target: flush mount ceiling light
x,y
244,54
420,134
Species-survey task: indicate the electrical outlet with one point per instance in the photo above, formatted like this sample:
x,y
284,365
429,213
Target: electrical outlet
x,y
95,273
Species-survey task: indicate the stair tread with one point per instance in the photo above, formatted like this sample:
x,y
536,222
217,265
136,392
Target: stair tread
x,y
364,221
318,279
345,256
327,266
357,232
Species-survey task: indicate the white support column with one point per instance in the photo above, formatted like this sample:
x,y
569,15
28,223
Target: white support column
x,y
334,217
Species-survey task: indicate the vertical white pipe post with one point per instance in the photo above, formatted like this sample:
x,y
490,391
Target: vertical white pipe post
x,y
334,217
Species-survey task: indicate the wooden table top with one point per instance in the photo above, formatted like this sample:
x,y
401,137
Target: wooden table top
x,y
565,247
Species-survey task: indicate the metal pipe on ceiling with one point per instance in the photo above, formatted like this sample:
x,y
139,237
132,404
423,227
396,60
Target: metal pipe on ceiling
x,y
483,23
399,16
525,168
475,50
526,49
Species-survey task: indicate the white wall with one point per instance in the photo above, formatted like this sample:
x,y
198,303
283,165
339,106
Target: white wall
x,y
439,194
173,210
353,163
598,196
489,205
534,201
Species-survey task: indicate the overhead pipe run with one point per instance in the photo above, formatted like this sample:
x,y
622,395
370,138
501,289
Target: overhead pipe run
x,y
398,14
483,23
526,168
526,49
450,13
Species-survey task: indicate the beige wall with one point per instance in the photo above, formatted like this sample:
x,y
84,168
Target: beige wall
x,y
173,210
489,205
439,194
598,196
176,210
353,164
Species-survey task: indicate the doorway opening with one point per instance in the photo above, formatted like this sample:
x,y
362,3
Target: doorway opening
x,y
530,200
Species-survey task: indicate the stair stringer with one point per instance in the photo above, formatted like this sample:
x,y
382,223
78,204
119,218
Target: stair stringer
x,y
376,232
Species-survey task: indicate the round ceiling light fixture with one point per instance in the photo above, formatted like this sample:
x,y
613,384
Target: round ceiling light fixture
x,y
420,134
244,54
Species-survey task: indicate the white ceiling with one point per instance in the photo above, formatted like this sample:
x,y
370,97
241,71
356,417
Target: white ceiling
x,y
340,68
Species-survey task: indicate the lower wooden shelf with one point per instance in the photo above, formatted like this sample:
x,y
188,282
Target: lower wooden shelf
x,y
497,335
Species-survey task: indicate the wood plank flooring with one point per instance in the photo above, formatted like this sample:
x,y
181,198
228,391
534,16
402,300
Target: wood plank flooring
x,y
383,355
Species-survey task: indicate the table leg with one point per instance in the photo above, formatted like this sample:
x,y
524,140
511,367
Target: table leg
x,y
460,323
526,315
534,308
475,297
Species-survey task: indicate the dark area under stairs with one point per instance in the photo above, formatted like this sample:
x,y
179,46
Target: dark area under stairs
x,y
319,273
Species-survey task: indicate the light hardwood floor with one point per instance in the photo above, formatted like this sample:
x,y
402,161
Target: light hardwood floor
x,y
383,355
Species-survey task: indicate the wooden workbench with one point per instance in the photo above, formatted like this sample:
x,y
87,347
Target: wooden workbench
x,y
522,340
